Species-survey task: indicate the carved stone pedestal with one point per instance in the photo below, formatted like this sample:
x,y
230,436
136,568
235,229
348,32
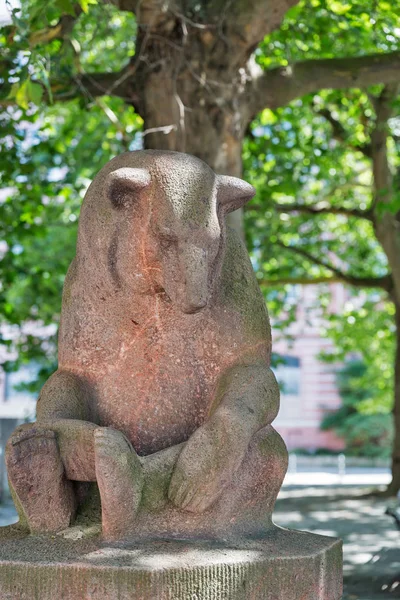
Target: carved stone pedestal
x,y
287,565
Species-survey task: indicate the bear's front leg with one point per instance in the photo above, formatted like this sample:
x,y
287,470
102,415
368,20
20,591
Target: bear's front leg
x,y
119,475
43,494
103,454
247,400
43,459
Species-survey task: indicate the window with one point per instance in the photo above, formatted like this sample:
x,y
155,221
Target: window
x,y
287,372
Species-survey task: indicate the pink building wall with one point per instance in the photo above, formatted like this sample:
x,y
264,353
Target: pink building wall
x,y
303,409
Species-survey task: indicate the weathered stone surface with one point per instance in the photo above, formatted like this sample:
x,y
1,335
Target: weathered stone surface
x,y
164,397
287,565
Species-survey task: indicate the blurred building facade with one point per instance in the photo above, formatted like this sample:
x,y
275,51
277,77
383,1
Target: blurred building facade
x,y
308,385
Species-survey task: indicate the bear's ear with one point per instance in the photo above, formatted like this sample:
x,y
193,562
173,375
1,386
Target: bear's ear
x,y
232,193
122,184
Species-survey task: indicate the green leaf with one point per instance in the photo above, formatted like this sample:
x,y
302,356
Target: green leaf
x,y
268,117
22,96
66,6
393,206
28,91
338,7
85,4
14,90
35,92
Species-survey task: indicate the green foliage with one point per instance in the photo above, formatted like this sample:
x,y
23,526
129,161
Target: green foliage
x,y
293,159
365,328
363,422
332,28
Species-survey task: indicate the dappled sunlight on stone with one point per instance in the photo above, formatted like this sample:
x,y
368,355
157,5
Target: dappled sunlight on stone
x,y
176,558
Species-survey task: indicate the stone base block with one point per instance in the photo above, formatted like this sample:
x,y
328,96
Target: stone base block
x,y
285,565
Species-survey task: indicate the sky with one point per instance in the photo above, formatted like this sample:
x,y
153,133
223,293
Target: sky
x,y
6,7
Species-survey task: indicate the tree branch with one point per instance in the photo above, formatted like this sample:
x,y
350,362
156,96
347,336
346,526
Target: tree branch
x,y
276,87
384,282
249,21
340,133
93,85
298,281
324,208
62,29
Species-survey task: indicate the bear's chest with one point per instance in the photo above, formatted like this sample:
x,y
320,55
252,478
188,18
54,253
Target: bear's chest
x,y
161,387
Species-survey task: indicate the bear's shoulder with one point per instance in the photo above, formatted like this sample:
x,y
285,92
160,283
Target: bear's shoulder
x,y
239,289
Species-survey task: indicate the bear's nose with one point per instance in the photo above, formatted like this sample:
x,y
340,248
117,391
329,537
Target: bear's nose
x,y
194,266
192,308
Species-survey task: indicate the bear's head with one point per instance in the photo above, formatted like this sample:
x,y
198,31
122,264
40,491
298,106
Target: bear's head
x,y
168,216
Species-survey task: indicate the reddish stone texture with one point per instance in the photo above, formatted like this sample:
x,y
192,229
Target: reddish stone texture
x,y
163,395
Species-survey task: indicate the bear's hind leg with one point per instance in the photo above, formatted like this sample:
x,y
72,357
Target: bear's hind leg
x,y
246,505
38,479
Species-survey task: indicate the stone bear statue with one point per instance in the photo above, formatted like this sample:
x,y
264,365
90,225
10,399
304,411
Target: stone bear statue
x,y
163,396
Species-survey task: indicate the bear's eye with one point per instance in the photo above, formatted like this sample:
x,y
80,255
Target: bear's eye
x,y
167,239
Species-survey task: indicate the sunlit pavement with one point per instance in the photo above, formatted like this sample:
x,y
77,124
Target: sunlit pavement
x,y
371,540
334,505
352,476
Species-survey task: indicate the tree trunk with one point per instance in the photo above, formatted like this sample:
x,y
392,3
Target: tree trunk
x,y
386,227
387,232
193,98
191,78
219,144
394,486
